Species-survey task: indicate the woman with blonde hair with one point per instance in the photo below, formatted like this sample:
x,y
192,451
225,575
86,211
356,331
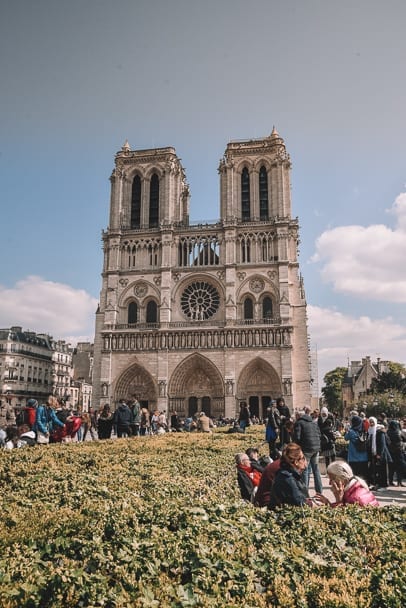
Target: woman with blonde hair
x,y
347,488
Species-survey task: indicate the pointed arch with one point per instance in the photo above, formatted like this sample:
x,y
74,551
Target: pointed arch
x,y
196,380
136,380
260,380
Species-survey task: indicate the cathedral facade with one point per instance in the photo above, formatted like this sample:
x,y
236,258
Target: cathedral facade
x,y
201,317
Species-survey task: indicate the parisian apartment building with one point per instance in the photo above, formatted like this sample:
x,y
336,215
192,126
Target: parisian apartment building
x,y
201,316
34,365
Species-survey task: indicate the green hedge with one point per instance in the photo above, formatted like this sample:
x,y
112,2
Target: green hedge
x,y
158,521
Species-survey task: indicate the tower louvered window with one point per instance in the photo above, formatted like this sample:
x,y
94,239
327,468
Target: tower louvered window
x,y
263,194
245,196
136,203
154,201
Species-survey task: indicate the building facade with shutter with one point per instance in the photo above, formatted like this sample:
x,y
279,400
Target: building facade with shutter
x,y
199,317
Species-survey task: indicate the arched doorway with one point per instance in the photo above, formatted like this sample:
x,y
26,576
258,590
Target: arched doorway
x,y
196,386
136,380
258,384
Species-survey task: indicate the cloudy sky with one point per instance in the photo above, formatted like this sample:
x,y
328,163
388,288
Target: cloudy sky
x,y
79,77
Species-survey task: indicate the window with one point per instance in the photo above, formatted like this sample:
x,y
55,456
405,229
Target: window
x,y
154,201
245,195
152,312
200,301
245,251
136,203
132,313
248,309
267,311
263,194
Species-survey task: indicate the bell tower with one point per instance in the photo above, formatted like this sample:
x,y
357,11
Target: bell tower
x,y
199,316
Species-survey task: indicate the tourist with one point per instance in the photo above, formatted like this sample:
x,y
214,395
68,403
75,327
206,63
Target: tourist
x,y
105,422
357,452
347,488
288,487
263,493
396,444
248,478
379,456
307,434
144,422
204,424
272,428
46,420
327,436
244,418
123,418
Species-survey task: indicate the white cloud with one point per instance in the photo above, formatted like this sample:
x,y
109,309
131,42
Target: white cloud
x,y
341,337
47,307
368,262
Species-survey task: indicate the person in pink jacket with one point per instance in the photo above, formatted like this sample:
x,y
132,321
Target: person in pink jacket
x,y
347,488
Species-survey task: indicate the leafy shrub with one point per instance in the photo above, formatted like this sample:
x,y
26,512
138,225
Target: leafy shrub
x,y
158,521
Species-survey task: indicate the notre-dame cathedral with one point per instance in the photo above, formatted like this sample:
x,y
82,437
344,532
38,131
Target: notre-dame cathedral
x,y
198,317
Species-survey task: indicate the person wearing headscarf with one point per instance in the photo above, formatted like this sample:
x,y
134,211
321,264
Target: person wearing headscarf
x,y
398,464
372,424
357,459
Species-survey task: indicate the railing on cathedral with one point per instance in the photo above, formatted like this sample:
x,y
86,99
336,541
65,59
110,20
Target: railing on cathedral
x,y
197,338
197,324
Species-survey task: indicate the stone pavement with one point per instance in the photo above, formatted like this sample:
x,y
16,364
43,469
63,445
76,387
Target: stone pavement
x,y
388,496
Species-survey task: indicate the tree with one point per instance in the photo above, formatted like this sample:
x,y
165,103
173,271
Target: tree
x,y
332,389
393,380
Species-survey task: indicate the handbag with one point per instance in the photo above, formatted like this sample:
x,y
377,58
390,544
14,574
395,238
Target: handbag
x,y
42,438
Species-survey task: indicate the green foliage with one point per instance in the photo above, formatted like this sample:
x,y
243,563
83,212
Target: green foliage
x,y
158,522
388,381
331,392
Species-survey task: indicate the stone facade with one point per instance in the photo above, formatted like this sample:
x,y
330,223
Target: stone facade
x,y
199,317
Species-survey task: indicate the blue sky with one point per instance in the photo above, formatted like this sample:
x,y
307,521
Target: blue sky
x,y
80,77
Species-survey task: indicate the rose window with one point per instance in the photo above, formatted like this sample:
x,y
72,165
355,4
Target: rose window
x,y
200,301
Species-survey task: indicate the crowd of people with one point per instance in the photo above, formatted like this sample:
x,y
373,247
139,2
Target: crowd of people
x,y
57,422
375,457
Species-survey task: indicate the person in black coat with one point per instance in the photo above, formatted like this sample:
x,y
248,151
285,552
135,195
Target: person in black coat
x,y
306,433
327,439
123,419
395,444
288,487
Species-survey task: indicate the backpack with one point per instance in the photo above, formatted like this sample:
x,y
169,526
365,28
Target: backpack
x,y
361,443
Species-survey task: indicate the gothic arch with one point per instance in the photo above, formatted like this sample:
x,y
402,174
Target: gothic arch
x,y
182,379
196,377
258,381
265,287
136,380
128,293
244,163
150,172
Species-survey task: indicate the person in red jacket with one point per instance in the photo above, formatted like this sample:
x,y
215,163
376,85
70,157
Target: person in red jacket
x,y
248,478
263,493
346,488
